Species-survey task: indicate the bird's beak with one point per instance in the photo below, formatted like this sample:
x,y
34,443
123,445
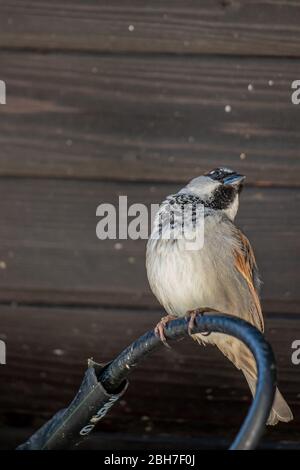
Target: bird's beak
x,y
234,180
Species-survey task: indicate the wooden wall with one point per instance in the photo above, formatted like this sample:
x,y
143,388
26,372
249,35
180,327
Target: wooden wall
x,y
128,98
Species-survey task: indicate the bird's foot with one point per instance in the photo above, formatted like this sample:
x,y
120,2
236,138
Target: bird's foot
x,y
159,330
191,315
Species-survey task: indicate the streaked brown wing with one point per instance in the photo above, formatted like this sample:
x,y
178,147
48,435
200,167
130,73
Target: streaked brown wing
x,y
245,263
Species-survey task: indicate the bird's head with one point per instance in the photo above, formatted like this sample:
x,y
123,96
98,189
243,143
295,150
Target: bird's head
x,y
218,189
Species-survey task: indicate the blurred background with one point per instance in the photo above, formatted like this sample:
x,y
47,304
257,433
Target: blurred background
x,y
135,98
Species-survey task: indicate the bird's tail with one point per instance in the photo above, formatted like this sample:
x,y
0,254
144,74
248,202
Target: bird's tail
x,y
241,357
280,409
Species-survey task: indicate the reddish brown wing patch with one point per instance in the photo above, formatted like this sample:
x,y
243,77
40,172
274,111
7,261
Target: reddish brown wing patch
x,y
245,263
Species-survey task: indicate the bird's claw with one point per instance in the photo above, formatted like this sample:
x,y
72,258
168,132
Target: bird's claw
x,y
159,330
191,315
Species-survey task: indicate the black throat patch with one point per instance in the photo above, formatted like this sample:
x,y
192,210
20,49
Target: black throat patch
x,y
222,198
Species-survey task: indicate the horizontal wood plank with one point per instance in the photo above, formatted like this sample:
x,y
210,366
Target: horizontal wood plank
x,y
148,119
185,391
50,253
11,437
219,27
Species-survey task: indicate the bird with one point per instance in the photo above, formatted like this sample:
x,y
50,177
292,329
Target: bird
x,y
219,275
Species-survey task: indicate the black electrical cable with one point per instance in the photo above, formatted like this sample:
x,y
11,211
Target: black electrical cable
x,y
253,427
102,386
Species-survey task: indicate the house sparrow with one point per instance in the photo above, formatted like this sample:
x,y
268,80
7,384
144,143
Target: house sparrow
x,y
221,275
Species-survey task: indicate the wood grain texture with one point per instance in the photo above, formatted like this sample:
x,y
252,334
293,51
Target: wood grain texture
x,y
148,119
219,27
130,98
50,253
188,391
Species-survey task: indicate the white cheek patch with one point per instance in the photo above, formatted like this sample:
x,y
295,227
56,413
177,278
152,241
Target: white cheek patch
x,y
233,208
